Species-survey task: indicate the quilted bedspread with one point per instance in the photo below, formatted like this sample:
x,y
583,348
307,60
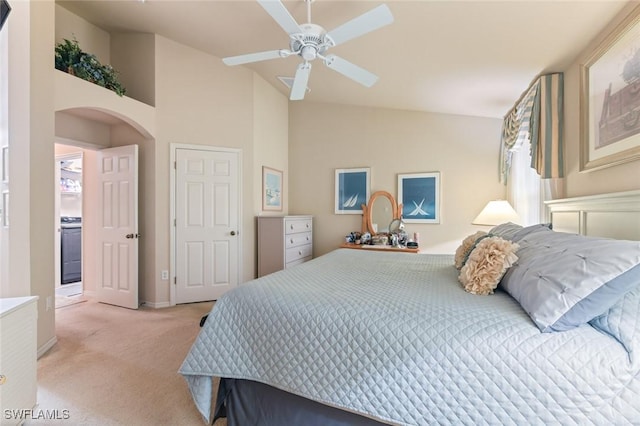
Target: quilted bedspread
x,y
394,337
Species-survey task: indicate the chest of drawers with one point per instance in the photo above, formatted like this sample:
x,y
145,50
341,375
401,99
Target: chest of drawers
x,y
283,241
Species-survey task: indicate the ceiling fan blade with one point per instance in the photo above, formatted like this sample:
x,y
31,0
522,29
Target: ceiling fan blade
x,y
299,87
350,70
367,22
254,57
281,15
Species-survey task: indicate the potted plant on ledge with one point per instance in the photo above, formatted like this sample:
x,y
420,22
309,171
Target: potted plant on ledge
x,y
73,60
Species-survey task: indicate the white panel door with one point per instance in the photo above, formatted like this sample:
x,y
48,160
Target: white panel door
x,y
207,218
117,281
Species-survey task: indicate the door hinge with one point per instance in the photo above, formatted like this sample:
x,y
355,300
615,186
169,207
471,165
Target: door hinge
x,y
175,165
175,280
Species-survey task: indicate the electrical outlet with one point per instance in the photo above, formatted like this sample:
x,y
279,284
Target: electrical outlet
x,y
164,275
49,303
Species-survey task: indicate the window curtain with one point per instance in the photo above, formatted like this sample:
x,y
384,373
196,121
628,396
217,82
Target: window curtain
x,y
539,118
547,127
516,130
532,149
524,187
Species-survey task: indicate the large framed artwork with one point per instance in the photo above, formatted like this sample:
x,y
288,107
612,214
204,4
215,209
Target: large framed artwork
x,y
4,12
419,194
353,188
271,189
610,99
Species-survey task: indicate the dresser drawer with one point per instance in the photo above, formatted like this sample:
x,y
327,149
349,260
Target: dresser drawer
x,y
283,241
296,253
295,240
293,226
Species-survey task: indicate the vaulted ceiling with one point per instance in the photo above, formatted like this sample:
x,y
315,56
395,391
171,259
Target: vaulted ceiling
x,y
470,57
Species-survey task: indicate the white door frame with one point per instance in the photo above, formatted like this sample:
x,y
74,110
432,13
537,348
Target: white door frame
x,y
172,209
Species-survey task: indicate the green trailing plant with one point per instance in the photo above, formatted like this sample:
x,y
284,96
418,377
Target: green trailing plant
x,y
72,59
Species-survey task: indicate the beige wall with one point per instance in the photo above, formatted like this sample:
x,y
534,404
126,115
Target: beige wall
x,y
271,149
133,56
90,38
324,137
30,255
201,101
271,139
623,177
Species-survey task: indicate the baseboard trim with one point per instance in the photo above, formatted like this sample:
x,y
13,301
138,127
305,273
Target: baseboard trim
x,y
158,305
45,348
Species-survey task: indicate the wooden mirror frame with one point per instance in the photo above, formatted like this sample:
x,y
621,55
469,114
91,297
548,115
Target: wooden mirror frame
x,y
367,221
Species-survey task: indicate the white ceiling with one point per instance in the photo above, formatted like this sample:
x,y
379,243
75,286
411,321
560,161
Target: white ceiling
x,y
471,57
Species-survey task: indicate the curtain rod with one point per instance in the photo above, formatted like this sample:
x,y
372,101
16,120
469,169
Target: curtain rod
x,y
522,96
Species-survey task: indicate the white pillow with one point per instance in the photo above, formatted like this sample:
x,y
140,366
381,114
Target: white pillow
x,y
565,280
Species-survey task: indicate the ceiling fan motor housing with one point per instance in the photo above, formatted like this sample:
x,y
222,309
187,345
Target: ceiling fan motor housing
x,y
313,41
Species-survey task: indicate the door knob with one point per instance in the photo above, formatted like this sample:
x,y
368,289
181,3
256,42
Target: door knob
x,y
233,232
129,235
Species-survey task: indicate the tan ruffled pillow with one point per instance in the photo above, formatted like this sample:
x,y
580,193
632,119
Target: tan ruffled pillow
x,y
467,245
486,265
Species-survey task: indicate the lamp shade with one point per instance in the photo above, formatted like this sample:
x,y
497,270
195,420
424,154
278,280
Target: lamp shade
x,y
495,213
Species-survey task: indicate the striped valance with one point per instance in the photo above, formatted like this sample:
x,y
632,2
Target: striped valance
x,y
547,127
537,117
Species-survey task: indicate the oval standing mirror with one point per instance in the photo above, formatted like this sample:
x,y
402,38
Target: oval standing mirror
x,y
381,215
379,212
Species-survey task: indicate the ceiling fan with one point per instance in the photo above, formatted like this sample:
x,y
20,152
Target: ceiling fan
x,y
311,41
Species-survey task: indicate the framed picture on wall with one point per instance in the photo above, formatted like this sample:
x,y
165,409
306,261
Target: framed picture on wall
x,y
4,12
353,187
419,194
609,101
271,189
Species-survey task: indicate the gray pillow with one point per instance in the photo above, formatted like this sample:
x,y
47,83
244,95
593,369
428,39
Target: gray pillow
x,y
511,231
565,280
505,230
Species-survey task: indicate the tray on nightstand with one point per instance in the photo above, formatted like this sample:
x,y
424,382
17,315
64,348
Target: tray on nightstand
x,y
379,248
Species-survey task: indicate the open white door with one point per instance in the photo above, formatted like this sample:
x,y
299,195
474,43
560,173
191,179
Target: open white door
x,y
117,280
207,202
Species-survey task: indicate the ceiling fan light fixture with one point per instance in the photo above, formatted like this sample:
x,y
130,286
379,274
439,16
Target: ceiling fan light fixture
x,y
309,53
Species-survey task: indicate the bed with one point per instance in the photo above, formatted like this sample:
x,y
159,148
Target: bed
x,y
361,337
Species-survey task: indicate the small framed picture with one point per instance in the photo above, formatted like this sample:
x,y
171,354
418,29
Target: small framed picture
x,y
353,187
419,194
271,189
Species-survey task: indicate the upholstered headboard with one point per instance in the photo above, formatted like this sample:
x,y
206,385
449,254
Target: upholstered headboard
x,y
614,215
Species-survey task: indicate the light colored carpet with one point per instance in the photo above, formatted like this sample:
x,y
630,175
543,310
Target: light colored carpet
x,y
116,366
